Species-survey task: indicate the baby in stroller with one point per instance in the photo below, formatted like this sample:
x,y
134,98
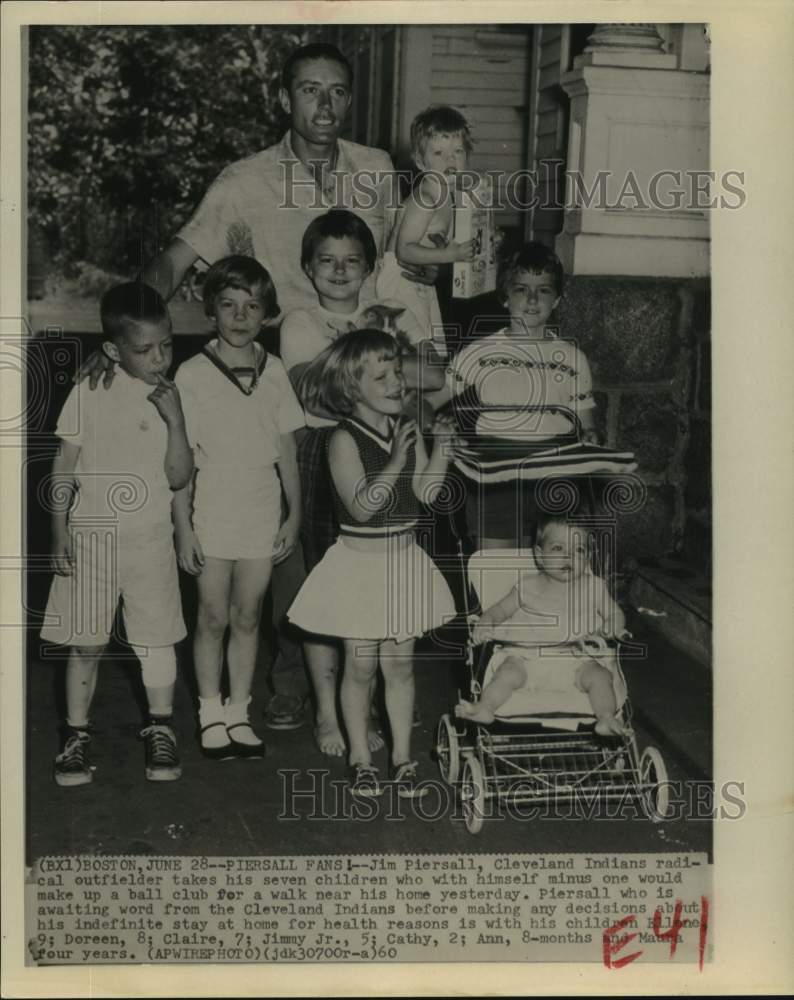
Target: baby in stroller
x,y
554,624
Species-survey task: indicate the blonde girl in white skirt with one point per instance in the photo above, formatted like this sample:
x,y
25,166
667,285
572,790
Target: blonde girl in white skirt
x,y
375,587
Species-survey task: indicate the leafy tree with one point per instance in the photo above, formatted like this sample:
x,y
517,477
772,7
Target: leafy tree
x,y
128,126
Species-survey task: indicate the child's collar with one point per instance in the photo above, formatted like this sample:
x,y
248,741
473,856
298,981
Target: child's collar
x,y
384,440
210,352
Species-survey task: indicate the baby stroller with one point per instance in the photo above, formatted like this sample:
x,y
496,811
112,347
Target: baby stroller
x,y
542,747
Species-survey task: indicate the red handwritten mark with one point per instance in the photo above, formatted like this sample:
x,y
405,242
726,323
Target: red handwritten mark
x,y
704,926
670,935
613,944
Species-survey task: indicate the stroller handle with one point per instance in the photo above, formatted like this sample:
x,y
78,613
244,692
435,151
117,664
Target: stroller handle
x,y
529,408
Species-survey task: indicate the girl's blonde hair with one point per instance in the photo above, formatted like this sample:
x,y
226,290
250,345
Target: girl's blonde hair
x,y
330,382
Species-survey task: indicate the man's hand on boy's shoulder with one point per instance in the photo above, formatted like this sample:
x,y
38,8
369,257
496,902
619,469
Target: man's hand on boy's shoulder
x,y
95,367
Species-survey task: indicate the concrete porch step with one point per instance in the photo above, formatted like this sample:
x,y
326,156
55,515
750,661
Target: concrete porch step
x,y
676,600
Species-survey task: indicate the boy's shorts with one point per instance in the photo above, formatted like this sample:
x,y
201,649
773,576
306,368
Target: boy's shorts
x,y
142,570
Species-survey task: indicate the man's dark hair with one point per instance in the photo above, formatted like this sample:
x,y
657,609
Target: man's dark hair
x,y
536,258
316,50
243,273
129,304
338,223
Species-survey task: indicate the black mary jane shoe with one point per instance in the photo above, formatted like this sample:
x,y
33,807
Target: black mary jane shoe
x,y
224,752
245,751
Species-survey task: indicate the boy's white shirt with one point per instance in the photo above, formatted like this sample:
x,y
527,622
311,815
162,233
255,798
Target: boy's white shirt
x,y
123,440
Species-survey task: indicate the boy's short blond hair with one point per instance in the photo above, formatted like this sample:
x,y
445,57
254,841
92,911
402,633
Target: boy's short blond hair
x,y
438,119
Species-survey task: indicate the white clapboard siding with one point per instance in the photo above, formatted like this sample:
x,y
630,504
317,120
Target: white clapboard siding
x,y
548,108
482,70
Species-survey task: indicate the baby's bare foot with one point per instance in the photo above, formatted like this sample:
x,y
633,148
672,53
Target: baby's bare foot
x,y
473,710
329,739
610,726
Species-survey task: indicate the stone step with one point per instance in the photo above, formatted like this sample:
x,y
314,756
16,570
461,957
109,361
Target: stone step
x,y
675,599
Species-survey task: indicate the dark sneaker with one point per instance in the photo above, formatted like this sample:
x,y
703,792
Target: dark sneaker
x,y
405,778
162,759
72,766
284,712
364,781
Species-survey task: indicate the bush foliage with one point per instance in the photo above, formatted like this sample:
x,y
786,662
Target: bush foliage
x,y
128,126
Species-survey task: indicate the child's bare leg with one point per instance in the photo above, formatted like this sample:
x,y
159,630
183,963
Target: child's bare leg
x,y
508,677
397,664
158,671
596,681
214,591
361,663
250,580
72,765
322,659
81,677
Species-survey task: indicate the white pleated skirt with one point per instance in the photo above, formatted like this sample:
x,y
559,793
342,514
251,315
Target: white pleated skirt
x,y
397,593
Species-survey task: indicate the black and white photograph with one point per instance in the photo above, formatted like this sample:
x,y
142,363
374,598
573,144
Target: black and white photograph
x,y
370,605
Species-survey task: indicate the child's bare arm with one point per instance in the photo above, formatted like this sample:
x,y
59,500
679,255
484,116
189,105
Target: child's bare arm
x,y
612,618
178,456
362,498
63,485
417,214
287,536
495,615
431,472
188,548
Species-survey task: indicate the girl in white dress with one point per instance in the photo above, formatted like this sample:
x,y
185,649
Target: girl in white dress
x,y
241,414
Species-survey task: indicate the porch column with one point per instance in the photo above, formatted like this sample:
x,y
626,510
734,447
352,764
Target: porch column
x,y
638,129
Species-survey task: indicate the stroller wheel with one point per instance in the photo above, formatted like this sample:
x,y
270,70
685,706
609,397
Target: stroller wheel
x,y
447,750
654,789
472,794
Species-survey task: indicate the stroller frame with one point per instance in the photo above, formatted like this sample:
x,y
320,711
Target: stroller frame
x,y
531,762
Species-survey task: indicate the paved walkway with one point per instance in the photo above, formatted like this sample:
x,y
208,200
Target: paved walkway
x,y
243,807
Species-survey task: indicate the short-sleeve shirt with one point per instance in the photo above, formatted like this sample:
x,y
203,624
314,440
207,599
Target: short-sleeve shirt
x,y
507,370
305,333
261,206
228,427
120,470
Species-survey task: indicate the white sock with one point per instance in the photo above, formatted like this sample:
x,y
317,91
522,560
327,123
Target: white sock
x,y
210,712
